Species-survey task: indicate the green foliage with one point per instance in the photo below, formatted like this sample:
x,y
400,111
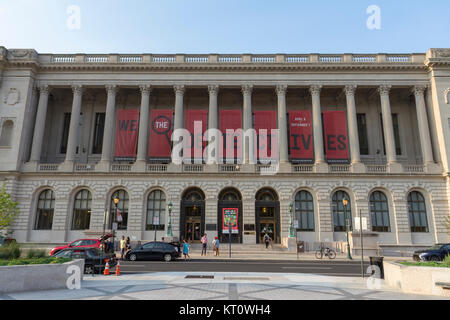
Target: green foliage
x,y
447,260
9,252
35,253
22,262
8,209
426,264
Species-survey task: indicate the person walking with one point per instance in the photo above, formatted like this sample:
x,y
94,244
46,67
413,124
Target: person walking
x,y
204,244
267,240
123,246
186,249
216,246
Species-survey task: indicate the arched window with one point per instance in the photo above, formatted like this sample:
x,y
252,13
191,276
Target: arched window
x,y
379,212
45,210
417,212
266,195
229,194
194,194
304,211
156,210
6,133
82,210
342,215
121,215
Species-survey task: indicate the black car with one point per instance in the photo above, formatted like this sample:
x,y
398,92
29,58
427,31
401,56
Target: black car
x,y
94,258
154,251
436,253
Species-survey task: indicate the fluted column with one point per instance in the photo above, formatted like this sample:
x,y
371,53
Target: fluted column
x,y
108,135
317,123
247,90
389,138
179,106
352,124
213,117
39,127
74,123
144,116
282,123
422,119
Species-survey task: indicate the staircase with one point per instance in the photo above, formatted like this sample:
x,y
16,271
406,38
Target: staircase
x,y
245,250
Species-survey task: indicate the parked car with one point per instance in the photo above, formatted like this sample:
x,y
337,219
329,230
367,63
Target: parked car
x,y
436,253
83,243
94,258
155,250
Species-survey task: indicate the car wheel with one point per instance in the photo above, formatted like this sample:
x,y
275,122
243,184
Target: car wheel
x,y
167,257
89,269
133,257
435,258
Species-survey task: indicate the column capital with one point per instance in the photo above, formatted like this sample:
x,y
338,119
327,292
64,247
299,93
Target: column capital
x,y
315,89
350,89
281,89
44,89
111,88
179,89
419,90
384,89
146,89
77,89
213,89
247,89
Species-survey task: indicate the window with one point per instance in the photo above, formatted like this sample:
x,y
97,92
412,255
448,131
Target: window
x,y
78,254
304,211
98,133
150,245
156,208
398,148
65,133
6,133
122,208
417,212
379,210
362,134
82,210
45,210
64,254
341,215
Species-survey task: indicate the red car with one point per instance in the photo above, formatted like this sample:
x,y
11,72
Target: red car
x,y
83,243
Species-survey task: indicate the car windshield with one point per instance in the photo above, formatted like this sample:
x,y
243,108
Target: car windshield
x,y
63,254
94,252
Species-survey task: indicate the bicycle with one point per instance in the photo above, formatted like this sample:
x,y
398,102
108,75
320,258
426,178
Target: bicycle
x,y
330,253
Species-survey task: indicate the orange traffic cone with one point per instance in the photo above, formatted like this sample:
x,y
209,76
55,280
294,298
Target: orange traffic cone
x,y
118,268
106,273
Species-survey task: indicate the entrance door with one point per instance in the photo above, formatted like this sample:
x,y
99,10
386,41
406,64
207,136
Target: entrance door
x,y
192,221
193,230
267,215
269,228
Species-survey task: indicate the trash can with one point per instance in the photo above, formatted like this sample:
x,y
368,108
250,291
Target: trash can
x,y
301,246
378,261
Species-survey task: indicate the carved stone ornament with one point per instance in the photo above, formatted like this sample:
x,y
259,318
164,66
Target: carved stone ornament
x,y
179,89
281,89
213,89
447,96
315,90
12,97
384,89
23,53
247,89
350,89
443,52
146,89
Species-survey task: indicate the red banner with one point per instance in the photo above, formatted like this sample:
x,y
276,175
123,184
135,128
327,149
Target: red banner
x,y
161,128
301,138
127,132
335,136
197,124
265,120
230,120
230,217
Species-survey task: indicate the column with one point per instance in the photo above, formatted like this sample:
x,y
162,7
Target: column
x,y
247,90
213,118
179,114
282,123
422,120
352,124
143,123
39,127
317,124
389,139
108,134
74,124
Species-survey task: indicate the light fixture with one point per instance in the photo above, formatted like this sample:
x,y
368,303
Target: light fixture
x,y
169,206
116,200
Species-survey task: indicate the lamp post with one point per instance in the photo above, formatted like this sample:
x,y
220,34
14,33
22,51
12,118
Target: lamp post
x,y
116,203
347,223
169,227
291,230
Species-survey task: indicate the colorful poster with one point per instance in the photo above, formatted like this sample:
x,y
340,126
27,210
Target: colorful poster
x,y
301,137
197,124
264,122
335,136
230,216
161,128
231,144
127,133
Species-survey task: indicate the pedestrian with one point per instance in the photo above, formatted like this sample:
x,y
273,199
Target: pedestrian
x,y
123,246
186,249
128,244
204,243
216,245
267,240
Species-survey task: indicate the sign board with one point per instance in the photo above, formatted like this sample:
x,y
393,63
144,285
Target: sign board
x,y
127,131
156,221
114,226
160,135
335,136
357,222
230,216
300,137
296,224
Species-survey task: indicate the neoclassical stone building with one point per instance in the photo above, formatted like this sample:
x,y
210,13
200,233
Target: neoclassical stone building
x,y
78,130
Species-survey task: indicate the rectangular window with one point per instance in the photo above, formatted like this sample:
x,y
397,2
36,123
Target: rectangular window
x,y
98,133
398,148
65,133
362,134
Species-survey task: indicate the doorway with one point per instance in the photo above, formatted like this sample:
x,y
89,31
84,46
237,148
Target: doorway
x,y
192,218
230,199
267,215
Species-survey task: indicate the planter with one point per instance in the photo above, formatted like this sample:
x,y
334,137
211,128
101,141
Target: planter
x,y
417,280
36,277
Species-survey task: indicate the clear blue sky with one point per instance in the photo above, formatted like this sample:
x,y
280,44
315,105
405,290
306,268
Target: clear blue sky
x,y
225,26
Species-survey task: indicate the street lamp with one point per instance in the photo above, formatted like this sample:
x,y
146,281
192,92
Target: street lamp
x,y
347,223
116,203
291,230
169,227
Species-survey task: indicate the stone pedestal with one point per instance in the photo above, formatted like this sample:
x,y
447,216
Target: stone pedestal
x,y
139,166
395,167
358,167
289,243
211,168
103,166
174,168
284,167
66,166
321,167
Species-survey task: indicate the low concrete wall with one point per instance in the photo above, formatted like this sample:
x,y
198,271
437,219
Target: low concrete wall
x,y
417,280
36,277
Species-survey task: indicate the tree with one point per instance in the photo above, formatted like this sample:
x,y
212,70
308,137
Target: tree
x,y
8,210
